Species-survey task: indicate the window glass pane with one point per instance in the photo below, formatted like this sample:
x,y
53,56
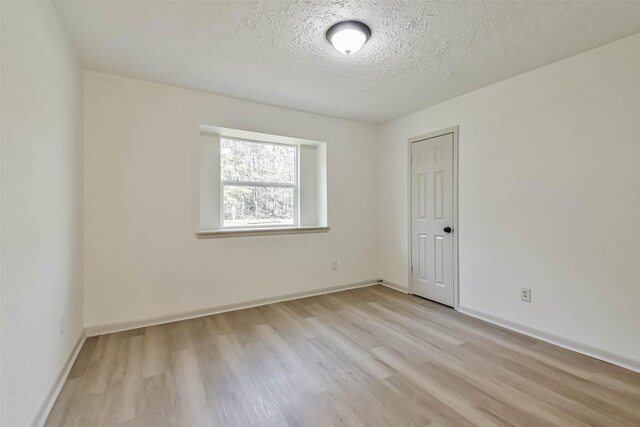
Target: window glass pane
x,y
257,206
257,162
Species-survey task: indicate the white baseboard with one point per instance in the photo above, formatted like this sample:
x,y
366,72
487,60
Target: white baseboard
x,y
569,344
46,407
108,328
394,286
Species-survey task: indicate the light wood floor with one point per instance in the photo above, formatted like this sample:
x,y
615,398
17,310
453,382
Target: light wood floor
x,y
365,357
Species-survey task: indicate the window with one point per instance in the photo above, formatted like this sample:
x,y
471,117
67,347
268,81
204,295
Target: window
x,y
256,183
259,184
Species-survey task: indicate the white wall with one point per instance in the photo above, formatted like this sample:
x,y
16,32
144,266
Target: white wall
x,y
142,258
1,135
549,197
41,206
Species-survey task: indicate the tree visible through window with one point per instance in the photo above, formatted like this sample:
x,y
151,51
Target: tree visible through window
x,y
259,183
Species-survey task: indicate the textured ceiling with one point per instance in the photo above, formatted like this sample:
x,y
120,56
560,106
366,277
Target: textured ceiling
x,y
275,52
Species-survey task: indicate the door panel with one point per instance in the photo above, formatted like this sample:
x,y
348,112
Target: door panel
x,y
422,195
431,211
438,256
422,256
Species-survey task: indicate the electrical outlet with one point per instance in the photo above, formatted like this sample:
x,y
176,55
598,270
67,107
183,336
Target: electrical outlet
x,y
525,294
334,265
61,325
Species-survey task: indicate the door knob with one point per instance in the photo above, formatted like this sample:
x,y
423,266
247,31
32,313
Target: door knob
x,y
448,229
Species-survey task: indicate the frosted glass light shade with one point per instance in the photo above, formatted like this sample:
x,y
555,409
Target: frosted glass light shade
x,y
348,37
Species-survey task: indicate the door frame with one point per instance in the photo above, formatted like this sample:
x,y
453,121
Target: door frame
x,y
456,275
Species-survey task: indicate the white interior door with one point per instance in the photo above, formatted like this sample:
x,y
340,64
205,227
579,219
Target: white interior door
x,y
432,241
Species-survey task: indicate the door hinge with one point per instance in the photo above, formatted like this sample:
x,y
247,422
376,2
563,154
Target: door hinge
x,y
412,269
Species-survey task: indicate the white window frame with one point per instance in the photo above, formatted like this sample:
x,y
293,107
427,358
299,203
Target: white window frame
x,y
295,186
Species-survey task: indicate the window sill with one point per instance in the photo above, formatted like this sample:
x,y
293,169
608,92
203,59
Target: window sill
x,y
246,232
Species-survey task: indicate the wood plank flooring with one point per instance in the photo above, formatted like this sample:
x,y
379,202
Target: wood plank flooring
x,y
365,357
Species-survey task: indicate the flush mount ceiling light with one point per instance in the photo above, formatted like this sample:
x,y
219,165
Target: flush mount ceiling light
x,y
348,37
